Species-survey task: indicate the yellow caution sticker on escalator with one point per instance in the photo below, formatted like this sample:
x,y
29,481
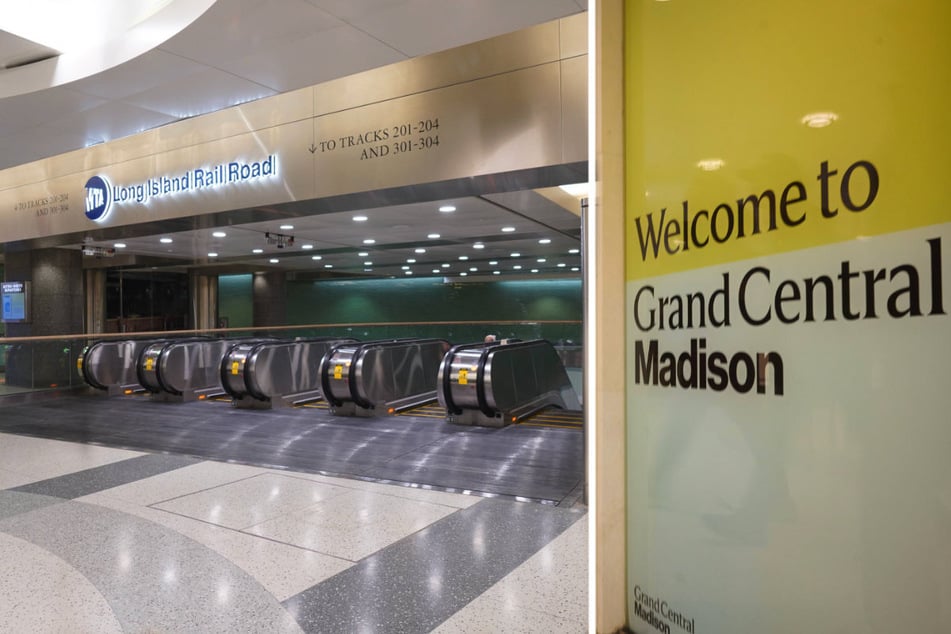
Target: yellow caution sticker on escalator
x,y
463,376
338,371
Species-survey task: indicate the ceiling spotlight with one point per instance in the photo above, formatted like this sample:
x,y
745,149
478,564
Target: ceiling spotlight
x,y
496,273
307,247
575,268
436,270
368,263
219,234
463,257
544,241
316,257
494,262
328,266
541,260
279,240
286,227
445,266
473,268
405,268
534,270
369,241
433,236
212,255
363,254
478,245
119,245
573,251
420,251
508,229
516,255
359,218
273,260
166,240
517,267
463,274
257,250
562,265
411,260
446,209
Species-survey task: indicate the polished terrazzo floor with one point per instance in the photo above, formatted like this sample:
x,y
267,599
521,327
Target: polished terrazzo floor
x,y
101,539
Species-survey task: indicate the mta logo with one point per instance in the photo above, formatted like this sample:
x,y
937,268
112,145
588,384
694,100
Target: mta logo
x,y
97,198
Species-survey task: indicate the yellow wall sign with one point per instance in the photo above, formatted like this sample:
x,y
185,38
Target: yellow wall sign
x,y
788,315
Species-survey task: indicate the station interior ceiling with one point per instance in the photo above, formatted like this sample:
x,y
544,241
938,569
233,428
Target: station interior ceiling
x,y
242,50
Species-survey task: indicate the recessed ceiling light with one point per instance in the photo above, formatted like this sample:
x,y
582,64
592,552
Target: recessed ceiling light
x,y
328,266
316,257
257,250
496,273
307,247
420,250
219,234
119,245
463,274
534,270
508,229
359,218
445,266
478,245
367,270
368,263
494,262
363,254
166,241
544,241
574,268
711,165
411,260
473,268
405,267
463,257
212,255
516,255
517,267
573,251
287,227
436,270
369,241
820,119
541,260
446,209
409,272
562,265
273,260
433,236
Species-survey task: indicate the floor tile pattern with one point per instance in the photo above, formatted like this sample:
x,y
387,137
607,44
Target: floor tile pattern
x,y
420,581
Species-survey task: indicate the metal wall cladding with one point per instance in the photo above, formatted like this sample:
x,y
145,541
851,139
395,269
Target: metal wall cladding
x,y
424,120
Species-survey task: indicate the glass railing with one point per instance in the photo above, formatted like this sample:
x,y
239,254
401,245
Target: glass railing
x,y
47,363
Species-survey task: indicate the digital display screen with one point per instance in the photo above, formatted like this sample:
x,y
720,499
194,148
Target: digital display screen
x,y
14,301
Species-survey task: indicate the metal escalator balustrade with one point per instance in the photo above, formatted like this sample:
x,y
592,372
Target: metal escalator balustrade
x,y
381,376
184,370
275,373
110,366
497,384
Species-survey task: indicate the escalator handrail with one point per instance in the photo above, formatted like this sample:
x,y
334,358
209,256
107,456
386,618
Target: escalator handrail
x,y
446,369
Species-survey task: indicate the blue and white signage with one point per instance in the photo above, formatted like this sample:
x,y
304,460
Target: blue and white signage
x,y
100,195
97,198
